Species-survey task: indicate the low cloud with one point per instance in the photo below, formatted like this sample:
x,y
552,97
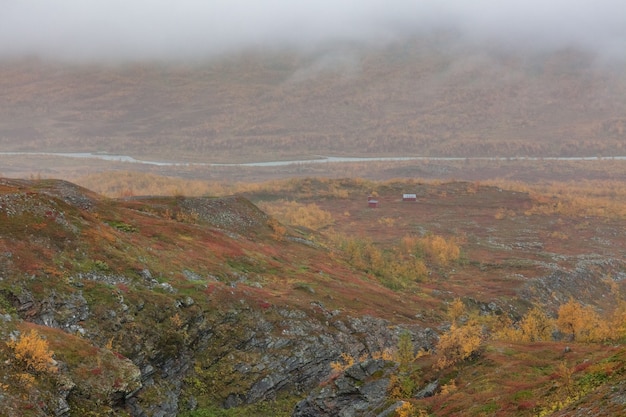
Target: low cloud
x,y
160,29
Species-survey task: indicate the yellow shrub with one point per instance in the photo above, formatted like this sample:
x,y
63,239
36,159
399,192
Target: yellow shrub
x,y
456,310
536,326
387,221
296,214
346,362
401,385
533,327
559,236
408,244
386,355
500,214
448,388
278,230
406,409
440,250
582,323
618,320
25,380
458,344
409,269
396,269
33,351
436,248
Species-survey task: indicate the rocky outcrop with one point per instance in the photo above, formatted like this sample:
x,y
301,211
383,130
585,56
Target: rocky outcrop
x,y
586,281
429,390
234,213
263,353
293,354
361,391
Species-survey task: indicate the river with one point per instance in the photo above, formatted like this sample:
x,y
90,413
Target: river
x,y
317,159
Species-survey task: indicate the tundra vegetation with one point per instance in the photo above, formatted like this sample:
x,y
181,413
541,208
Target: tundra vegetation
x,y
519,284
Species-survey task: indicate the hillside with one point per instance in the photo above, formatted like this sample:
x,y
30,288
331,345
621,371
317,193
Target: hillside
x,y
433,96
201,294
202,306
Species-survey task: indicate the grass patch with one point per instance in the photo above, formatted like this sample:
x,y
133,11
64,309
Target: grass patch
x,y
489,408
122,226
523,395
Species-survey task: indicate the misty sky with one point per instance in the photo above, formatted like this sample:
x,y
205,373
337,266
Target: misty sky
x,y
159,29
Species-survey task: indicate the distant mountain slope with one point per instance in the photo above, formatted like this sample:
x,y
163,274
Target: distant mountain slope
x,y
432,96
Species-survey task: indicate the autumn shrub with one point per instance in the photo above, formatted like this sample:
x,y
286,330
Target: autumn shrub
x,y
385,354
440,250
559,235
405,354
395,268
402,386
565,375
363,254
449,388
278,230
408,269
127,184
33,352
458,344
618,320
456,310
346,362
24,380
503,213
406,409
387,221
401,265
583,199
187,216
434,248
297,214
406,378
582,323
535,326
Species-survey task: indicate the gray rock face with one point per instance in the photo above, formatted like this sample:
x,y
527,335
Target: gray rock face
x,y
290,350
64,311
62,407
313,345
429,390
359,392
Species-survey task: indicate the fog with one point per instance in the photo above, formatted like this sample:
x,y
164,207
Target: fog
x,y
160,29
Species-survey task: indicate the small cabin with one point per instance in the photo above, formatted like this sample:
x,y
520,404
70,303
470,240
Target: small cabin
x,y
409,197
372,203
